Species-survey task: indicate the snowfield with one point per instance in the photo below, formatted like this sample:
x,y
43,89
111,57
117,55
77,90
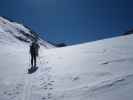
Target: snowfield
x,y
101,70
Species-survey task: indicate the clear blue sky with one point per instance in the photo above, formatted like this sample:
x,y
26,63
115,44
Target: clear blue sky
x,y
71,21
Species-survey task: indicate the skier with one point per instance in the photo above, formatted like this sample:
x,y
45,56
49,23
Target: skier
x,y
34,48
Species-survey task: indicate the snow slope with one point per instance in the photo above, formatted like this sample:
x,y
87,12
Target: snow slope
x,y
101,70
15,33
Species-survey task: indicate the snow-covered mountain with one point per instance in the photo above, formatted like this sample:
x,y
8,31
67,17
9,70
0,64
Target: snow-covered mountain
x,y
101,70
14,33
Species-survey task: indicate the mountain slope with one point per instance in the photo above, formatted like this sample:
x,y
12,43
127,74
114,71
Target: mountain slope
x,y
100,70
14,33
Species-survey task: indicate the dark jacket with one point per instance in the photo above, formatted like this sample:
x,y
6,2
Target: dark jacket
x,y
34,47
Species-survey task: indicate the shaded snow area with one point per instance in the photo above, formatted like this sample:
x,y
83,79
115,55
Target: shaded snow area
x,y
101,70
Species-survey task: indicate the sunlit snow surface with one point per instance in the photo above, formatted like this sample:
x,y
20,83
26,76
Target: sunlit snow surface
x,y
101,70
15,33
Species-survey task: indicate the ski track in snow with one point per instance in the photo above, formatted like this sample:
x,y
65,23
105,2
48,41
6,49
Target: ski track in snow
x,y
27,89
45,82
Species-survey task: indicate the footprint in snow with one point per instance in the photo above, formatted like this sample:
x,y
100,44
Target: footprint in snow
x,y
49,96
12,93
75,78
50,84
105,63
43,98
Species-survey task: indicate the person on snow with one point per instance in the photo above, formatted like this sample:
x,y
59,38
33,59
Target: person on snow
x,y
34,49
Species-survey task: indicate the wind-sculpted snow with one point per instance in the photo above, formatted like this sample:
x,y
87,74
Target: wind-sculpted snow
x,y
118,60
91,90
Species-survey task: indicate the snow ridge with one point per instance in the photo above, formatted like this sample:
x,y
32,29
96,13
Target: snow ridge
x,y
12,32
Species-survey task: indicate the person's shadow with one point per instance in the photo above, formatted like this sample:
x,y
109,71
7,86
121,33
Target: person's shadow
x,y
32,70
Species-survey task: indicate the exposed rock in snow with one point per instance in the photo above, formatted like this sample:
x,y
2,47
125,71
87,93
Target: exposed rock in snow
x,y
128,32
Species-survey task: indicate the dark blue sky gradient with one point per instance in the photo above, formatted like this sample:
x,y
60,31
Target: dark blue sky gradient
x,y
71,21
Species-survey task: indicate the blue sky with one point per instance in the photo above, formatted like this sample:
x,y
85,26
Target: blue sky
x,y
71,21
